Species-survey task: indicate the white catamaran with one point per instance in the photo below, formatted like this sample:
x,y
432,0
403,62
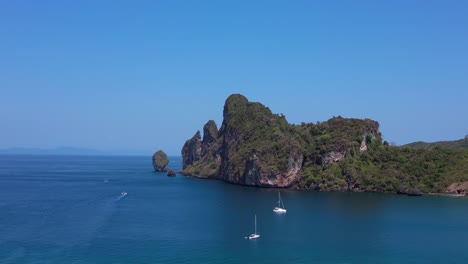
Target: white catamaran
x,y
280,208
254,235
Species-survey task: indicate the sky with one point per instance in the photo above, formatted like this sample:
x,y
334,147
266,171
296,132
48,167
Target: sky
x,y
138,76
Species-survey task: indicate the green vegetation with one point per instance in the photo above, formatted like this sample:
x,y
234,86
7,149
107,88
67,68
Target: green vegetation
x,y
202,169
251,129
386,168
461,143
337,134
256,147
381,168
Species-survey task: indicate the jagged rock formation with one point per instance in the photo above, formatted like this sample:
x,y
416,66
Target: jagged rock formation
x,y
201,158
160,161
171,173
241,151
259,148
459,188
191,151
410,192
256,147
334,156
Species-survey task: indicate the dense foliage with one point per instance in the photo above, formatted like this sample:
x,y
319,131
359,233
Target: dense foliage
x,y
381,168
249,129
461,143
385,168
344,154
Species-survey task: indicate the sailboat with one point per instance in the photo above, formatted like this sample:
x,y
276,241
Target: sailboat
x,y
254,235
280,208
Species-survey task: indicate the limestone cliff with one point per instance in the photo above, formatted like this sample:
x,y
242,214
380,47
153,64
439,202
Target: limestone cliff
x,y
252,147
255,147
201,157
160,161
191,152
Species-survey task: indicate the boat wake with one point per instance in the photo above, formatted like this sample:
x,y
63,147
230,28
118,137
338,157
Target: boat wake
x,y
122,195
91,218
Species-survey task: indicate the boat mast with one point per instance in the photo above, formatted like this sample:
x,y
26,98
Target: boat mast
x,y
255,224
282,204
279,200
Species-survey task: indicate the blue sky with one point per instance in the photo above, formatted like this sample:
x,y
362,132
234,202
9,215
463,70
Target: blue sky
x,y
137,76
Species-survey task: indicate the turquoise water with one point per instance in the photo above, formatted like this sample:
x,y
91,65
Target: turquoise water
x,y
71,210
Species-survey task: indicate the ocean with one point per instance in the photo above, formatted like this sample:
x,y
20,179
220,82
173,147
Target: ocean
x,y
71,209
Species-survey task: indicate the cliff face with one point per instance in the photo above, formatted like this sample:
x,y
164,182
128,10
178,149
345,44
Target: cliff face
x,y
160,161
201,157
255,147
191,152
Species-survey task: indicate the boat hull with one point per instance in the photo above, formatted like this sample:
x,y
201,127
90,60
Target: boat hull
x,y
254,236
279,210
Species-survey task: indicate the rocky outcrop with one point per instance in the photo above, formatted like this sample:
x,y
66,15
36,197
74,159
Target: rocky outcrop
x,y
252,147
410,192
286,177
210,145
201,157
363,146
255,147
459,188
258,148
367,138
160,161
210,132
255,175
191,151
332,157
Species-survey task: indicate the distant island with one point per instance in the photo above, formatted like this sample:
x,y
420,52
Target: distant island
x,y
461,143
51,151
255,147
68,151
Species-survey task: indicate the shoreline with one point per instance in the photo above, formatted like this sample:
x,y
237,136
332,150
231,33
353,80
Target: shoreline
x,y
339,191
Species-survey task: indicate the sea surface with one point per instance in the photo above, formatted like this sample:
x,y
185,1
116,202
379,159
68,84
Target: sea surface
x,y
70,209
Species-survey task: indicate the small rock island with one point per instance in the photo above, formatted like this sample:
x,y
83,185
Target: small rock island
x,y
160,163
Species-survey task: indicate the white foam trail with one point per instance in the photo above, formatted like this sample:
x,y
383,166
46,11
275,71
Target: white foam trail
x,y
91,224
122,195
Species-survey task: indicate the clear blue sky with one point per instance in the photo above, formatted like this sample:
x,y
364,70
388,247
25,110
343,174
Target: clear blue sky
x,y
139,76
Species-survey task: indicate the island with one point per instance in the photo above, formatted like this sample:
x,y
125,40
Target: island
x,y
160,163
255,147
